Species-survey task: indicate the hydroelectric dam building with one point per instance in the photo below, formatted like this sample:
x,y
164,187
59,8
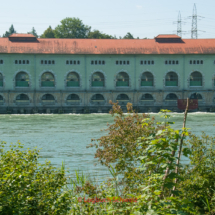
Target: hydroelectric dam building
x,y
82,75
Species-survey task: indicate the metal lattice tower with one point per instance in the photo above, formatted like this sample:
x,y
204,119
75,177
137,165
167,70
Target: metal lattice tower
x,y
194,31
179,31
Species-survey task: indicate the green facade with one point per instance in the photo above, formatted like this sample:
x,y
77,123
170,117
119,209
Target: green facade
x,y
110,88
9,69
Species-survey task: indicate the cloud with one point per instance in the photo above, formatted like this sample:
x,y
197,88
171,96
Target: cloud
x,y
139,7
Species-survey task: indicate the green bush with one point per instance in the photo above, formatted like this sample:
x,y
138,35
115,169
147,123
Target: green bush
x,y
199,175
161,184
27,187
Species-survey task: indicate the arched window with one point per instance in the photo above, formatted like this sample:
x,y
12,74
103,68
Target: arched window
x,y
171,79
97,98
72,80
147,97
147,79
22,98
1,80
122,79
47,80
171,97
196,79
98,80
122,97
196,96
73,98
48,97
22,79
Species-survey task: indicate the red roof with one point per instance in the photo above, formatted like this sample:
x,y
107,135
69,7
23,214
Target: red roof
x,y
21,35
108,46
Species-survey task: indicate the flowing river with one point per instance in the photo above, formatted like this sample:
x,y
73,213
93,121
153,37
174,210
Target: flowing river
x,y
65,137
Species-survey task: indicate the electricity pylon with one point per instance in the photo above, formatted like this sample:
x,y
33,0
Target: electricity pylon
x,y
179,31
194,31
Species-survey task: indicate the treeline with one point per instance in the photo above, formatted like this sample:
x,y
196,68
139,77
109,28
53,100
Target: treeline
x,y
71,28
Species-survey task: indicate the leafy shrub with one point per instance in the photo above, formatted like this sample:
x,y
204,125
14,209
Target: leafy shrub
x,y
27,187
199,175
120,146
158,183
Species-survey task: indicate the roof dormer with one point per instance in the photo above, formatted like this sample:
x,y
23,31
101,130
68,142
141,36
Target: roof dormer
x,y
22,38
168,38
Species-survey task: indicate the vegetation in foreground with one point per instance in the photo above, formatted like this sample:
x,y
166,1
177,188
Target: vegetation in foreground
x,y
143,157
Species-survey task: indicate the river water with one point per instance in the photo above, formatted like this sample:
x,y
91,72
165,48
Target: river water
x,y
64,137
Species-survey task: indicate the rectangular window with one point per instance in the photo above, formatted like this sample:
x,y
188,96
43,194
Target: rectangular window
x,y
197,61
141,62
78,62
191,62
49,62
70,61
173,62
166,62
201,61
100,62
27,61
149,62
152,62
103,62
74,61
20,62
67,62
121,62
45,61
170,62
92,62
1,61
41,61
23,61
194,62
145,62
96,62
53,62
176,61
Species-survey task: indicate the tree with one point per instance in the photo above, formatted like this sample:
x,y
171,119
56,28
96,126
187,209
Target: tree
x,y
11,31
72,28
128,36
33,31
48,33
96,34
120,147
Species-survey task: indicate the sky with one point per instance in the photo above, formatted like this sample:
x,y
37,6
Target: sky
x,y
115,17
